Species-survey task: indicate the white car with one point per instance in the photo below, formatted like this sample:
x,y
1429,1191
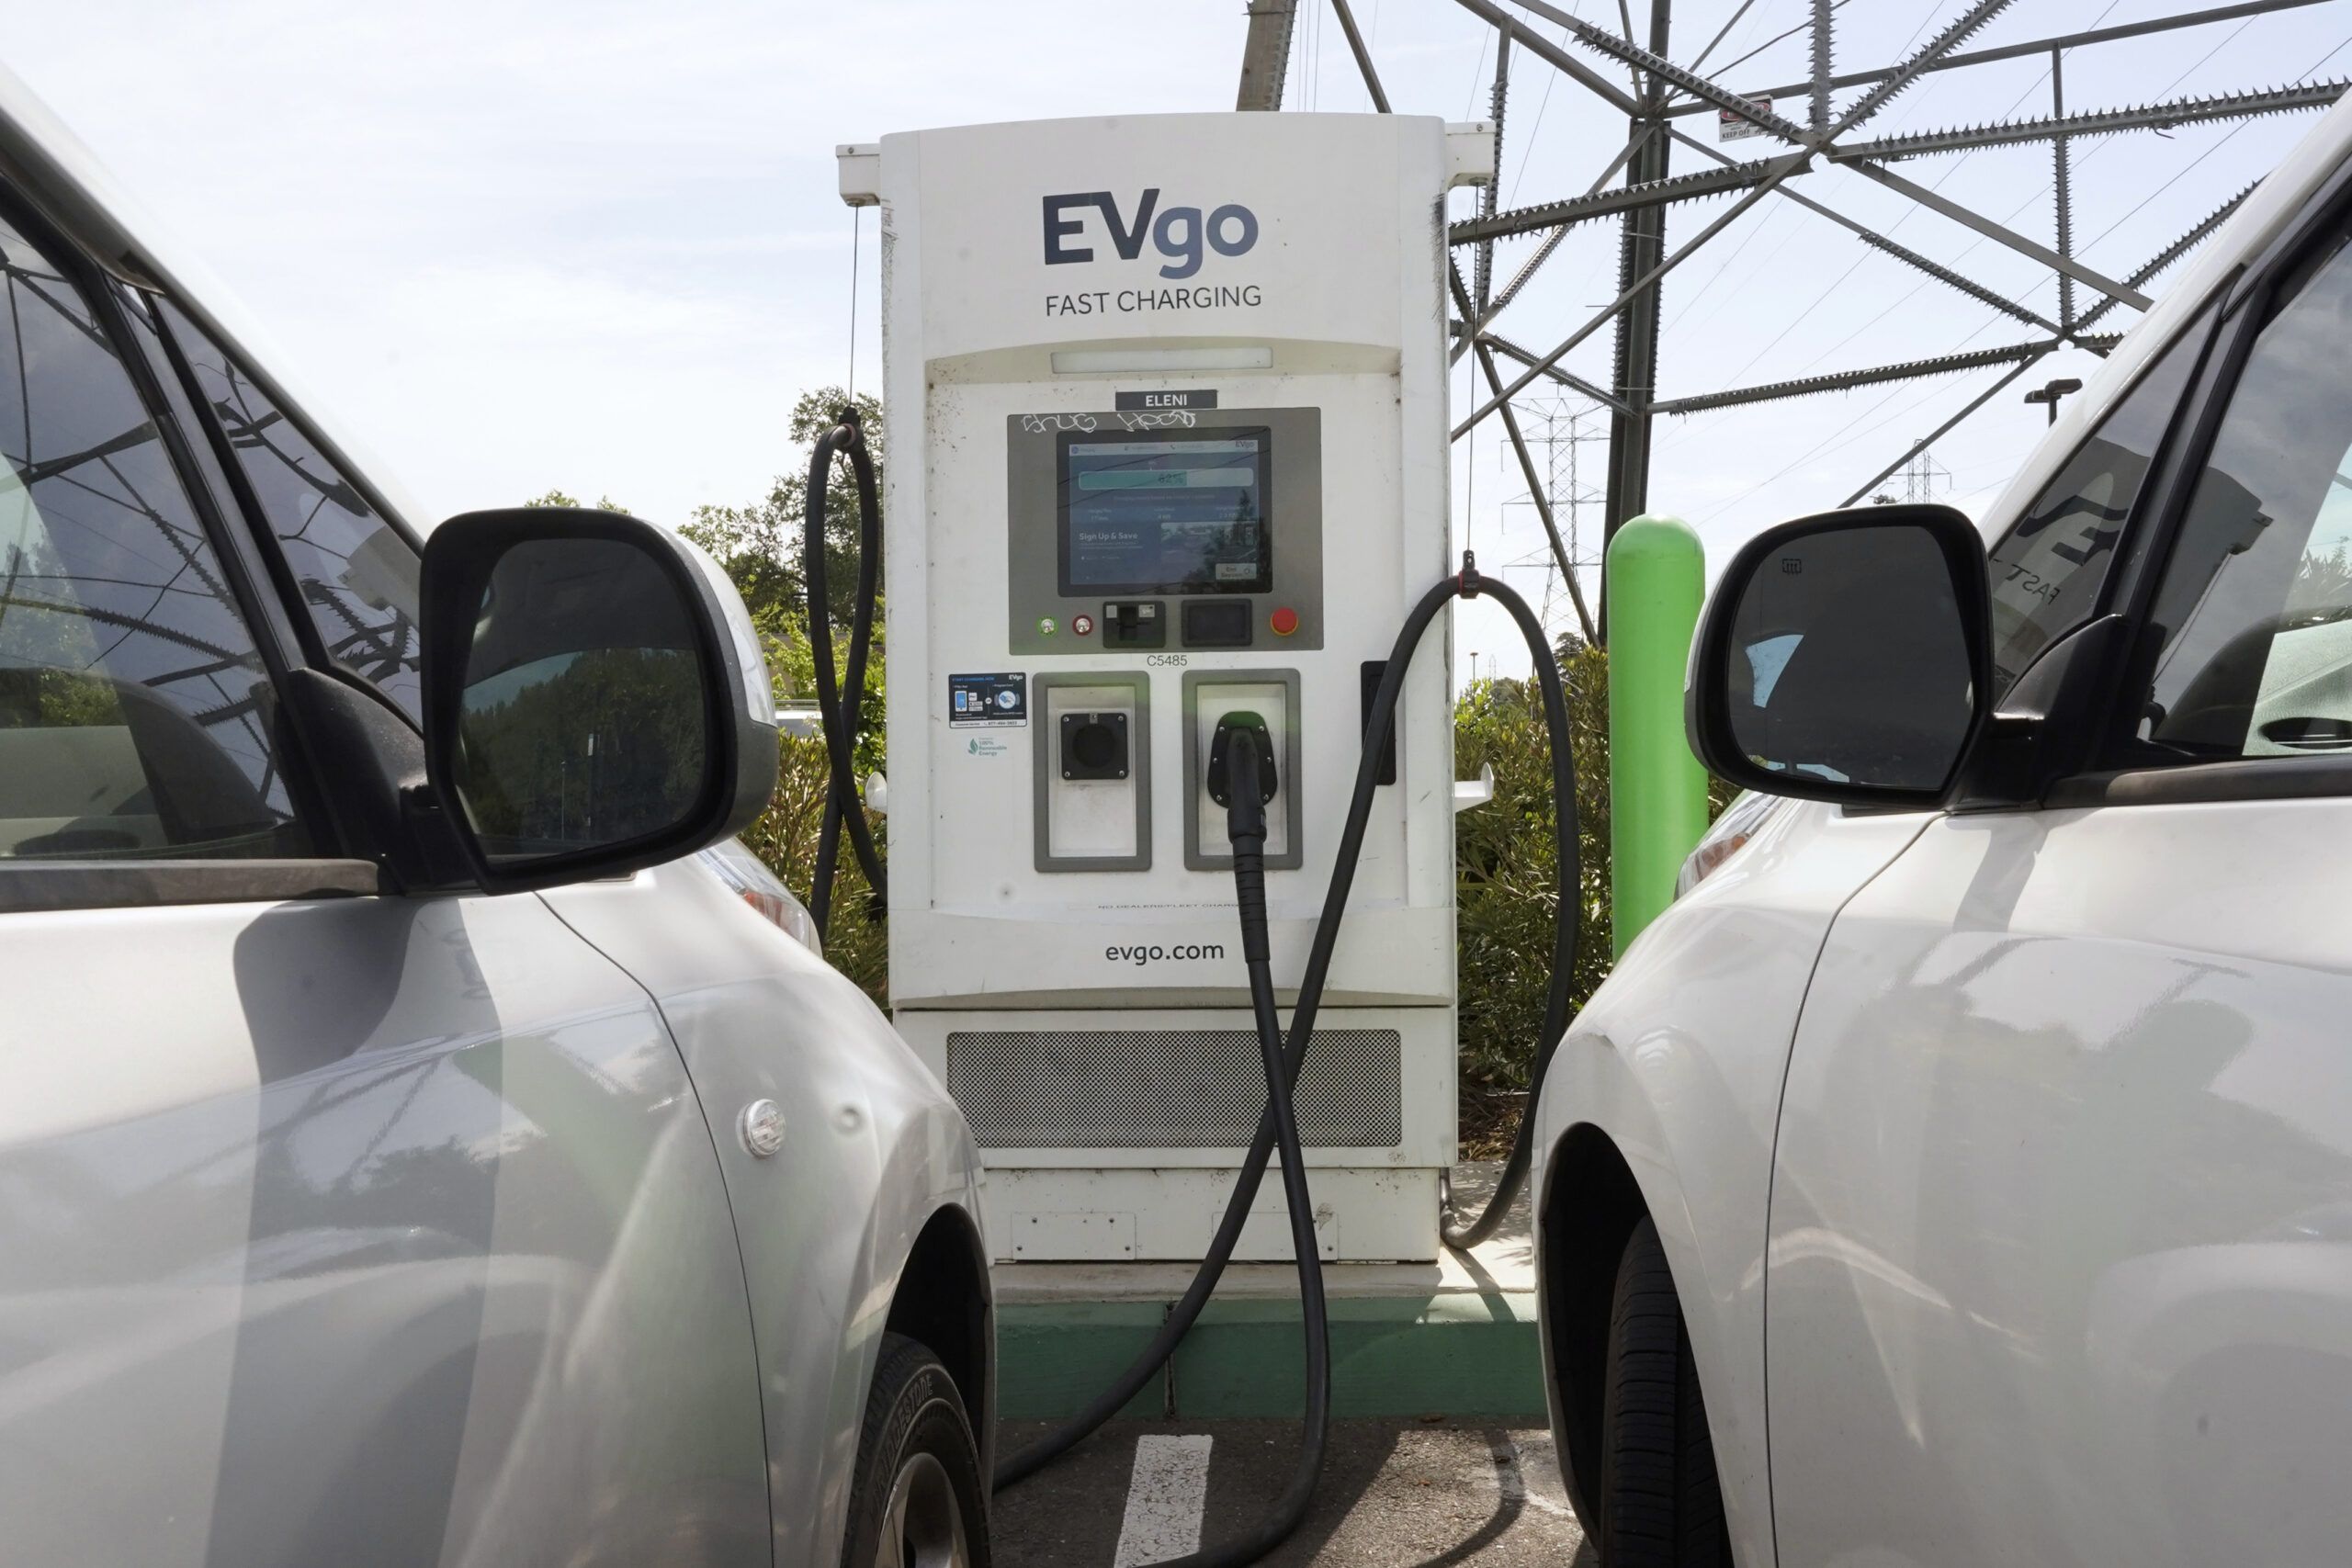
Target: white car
x,y
413,1149
1960,1172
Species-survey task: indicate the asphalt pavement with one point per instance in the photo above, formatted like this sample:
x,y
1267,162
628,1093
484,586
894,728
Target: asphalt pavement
x,y
1395,1494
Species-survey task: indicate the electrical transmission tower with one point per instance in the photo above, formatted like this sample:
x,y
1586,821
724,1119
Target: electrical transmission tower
x,y
1562,427
1829,114
1920,474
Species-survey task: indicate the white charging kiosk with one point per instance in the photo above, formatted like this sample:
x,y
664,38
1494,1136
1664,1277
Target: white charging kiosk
x,y
1167,439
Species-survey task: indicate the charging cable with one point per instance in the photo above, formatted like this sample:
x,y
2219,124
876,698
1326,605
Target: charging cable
x,y
837,703
1241,766
1279,1124
1242,779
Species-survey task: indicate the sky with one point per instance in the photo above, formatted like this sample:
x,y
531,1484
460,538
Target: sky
x,y
597,247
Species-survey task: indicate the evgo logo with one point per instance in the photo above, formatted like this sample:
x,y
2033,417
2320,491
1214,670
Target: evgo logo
x,y
1178,232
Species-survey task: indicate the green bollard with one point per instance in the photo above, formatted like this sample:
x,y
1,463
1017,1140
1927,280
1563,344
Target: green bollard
x,y
1658,792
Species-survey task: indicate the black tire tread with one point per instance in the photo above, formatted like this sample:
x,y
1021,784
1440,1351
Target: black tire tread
x,y
903,1408
1661,1506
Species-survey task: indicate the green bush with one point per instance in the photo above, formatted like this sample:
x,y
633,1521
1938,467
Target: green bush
x,y
785,837
1505,885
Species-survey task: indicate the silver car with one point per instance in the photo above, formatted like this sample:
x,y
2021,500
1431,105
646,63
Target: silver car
x,y
412,1149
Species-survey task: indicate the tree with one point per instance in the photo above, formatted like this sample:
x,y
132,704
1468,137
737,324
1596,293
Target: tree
x,y
759,546
557,498
762,545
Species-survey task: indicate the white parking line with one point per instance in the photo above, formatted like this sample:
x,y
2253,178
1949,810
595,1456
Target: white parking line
x,y
1531,1474
1166,1496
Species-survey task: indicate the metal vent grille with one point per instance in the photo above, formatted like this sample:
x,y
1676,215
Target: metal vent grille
x,y
1168,1089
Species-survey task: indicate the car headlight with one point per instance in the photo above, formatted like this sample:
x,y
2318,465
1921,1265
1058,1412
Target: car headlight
x,y
751,880
1742,821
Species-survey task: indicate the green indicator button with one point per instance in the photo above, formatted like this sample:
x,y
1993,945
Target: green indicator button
x,y
1045,627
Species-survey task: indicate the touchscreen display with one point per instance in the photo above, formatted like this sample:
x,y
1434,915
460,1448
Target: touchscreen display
x,y
1174,516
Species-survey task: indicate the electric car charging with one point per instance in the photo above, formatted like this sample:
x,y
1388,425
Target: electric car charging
x,y
1132,966
1115,515
1193,515
1180,417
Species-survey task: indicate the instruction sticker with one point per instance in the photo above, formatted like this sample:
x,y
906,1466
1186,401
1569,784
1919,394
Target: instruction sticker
x,y
989,701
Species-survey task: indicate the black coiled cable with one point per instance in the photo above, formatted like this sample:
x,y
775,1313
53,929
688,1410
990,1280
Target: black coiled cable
x,y
1566,915
838,709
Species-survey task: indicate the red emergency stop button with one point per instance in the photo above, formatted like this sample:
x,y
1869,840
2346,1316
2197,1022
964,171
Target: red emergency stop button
x,y
1285,621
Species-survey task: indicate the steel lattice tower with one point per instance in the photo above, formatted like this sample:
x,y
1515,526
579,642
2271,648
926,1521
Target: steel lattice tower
x,y
1639,186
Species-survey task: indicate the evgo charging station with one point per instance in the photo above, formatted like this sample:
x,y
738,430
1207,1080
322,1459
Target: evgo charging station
x,y
1166,401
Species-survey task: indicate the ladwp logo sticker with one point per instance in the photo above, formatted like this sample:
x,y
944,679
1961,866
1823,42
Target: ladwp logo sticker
x,y
1179,232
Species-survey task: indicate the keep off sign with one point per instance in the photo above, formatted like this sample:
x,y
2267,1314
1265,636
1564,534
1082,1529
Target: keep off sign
x,y
1730,126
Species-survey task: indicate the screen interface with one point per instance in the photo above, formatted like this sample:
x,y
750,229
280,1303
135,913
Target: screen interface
x,y
1174,516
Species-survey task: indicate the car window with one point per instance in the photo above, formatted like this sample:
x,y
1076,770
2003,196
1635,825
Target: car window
x,y
356,574
2253,616
2047,574
135,714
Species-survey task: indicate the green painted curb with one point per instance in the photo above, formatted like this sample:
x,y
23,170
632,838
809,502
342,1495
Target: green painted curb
x,y
1051,1359
1452,1354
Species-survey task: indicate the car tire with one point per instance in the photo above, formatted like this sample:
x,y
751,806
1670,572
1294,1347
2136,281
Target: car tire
x,y
1660,1505
918,1500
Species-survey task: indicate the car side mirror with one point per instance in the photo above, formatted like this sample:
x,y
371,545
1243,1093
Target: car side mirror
x,y
595,701
1846,656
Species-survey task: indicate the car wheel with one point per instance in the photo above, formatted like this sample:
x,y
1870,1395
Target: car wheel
x,y
917,1501
1660,1504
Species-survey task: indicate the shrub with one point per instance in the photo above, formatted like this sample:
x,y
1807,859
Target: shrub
x,y
1505,889
785,837
1505,885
